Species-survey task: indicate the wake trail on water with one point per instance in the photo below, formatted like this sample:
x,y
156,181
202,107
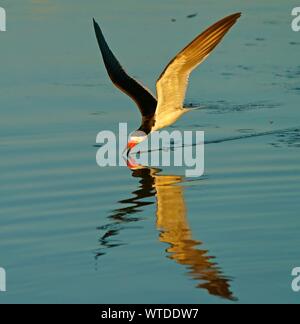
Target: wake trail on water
x,y
232,138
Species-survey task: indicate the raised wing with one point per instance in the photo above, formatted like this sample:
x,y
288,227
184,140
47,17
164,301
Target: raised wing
x,y
172,84
142,97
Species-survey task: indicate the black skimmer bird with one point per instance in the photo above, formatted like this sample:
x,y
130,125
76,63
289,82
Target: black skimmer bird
x,y
167,108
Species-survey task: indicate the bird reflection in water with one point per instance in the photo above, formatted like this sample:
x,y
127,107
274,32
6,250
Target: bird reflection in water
x,y
172,223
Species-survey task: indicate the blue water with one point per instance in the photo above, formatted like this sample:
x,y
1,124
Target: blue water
x,y
71,231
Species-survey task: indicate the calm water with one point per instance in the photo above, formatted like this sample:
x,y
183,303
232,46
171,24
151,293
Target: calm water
x,y
73,232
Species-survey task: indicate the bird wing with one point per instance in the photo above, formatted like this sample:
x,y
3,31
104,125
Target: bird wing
x,y
172,84
143,98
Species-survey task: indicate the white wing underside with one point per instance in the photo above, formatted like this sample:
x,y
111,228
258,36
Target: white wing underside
x,y
172,85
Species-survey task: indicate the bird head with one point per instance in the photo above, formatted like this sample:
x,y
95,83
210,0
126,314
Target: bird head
x,y
134,139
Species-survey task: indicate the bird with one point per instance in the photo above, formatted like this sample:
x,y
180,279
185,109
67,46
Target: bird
x,y
165,109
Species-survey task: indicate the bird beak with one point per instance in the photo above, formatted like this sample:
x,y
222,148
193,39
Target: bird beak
x,y
130,146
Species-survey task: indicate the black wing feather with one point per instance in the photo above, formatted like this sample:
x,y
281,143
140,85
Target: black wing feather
x,y
143,98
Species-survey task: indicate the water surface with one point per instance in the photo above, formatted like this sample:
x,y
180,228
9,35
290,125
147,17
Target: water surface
x,y
73,232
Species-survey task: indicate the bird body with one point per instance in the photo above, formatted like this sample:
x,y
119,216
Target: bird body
x,y
165,120
171,86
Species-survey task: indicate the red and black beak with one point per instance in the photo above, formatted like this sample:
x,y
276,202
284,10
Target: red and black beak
x,y
130,146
